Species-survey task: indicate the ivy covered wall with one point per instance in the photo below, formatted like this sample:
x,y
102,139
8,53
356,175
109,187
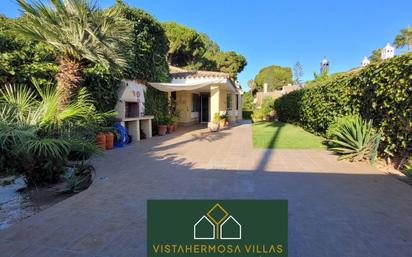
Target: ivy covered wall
x,y
381,92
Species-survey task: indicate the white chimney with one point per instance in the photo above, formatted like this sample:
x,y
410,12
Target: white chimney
x,y
265,87
388,51
365,62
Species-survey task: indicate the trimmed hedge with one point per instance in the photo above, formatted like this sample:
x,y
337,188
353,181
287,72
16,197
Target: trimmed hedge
x,y
381,92
247,114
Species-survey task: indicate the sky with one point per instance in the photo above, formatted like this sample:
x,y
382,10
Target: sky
x,y
271,32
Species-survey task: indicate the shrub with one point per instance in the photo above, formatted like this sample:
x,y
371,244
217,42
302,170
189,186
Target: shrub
x,y
257,115
354,139
40,134
247,115
288,108
380,92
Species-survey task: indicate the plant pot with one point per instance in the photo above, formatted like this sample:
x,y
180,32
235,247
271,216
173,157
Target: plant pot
x,y
169,129
213,126
161,130
101,140
222,123
174,127
109,140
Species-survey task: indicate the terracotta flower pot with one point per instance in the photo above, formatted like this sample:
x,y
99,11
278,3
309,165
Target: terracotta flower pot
x,y
169,129
101,140
222,123
162,129
174,127
109,140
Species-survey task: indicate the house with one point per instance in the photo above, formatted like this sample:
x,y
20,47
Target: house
x,y
204,229
201,94
273,94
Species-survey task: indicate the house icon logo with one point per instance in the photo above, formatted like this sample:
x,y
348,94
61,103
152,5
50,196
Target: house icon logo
x,y
217,224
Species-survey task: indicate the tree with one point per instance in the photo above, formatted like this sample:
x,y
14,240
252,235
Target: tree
x,y
186,46
404,38
297,73
275,76
193,50
247,103
376,55
80,33
231,63
252,85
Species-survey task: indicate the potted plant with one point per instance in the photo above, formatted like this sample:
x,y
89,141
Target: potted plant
x,y
214,124
224,119
169,122
162,125
173,120
101,140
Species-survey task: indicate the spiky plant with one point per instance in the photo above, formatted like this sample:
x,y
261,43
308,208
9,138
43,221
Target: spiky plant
x,y
40,134
80,33
354,139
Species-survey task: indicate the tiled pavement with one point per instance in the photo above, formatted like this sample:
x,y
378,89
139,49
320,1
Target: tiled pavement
x,y
335,208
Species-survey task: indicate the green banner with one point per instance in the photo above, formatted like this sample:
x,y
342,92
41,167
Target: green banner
x,y
215,228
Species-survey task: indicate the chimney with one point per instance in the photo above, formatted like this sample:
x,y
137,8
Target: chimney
x,y
265,88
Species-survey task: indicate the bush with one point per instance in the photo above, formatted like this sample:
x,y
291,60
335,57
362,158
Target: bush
x,y
288,108
353,138
37,136
247,115
380,92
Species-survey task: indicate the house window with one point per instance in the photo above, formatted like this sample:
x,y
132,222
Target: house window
x,y
195,103
229,102
237,102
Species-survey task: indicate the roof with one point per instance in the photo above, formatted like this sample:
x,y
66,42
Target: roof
x,y
179,73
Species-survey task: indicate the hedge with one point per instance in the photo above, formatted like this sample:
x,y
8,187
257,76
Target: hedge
x,y
381,92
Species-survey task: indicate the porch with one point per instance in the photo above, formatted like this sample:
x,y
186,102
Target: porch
x,y
200,94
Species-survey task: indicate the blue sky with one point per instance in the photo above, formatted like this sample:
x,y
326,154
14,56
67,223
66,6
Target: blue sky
x,y
282,32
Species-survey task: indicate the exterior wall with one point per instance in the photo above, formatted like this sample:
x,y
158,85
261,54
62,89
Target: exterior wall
x,y
184,106
214,100
223,99
234,112
240,113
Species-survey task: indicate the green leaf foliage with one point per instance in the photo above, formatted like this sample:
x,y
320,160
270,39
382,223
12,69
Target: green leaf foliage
x,y
275,76
149,45
193,50
353,138
381,92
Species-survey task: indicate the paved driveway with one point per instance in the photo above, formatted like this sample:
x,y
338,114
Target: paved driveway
x,y
335,208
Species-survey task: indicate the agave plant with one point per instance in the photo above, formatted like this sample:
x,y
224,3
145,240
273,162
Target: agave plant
x,y
40,134
79,32
354,139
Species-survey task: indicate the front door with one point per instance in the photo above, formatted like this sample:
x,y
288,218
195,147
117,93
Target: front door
x,y
204,108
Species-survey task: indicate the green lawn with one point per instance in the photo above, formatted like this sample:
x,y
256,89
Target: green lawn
x,y
284,136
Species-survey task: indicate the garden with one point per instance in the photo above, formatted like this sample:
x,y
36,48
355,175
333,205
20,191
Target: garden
x,y
364,114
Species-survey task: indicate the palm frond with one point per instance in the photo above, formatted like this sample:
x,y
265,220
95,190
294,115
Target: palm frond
x,y
77,29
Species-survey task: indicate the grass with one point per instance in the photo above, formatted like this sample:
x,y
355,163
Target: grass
x,y
279,135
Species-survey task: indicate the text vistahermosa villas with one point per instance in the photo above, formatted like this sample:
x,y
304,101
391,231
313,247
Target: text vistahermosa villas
x,y
217,248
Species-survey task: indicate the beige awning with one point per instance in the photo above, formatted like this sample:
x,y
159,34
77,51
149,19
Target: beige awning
x,y
189,86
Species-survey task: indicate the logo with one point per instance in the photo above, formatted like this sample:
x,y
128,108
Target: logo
x,y
217,224
217,228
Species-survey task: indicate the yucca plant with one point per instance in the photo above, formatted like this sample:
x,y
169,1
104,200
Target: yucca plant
x,y
354,139
80,33
40,134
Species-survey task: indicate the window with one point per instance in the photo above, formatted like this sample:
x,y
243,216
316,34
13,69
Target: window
x,y
229,102
195,103
237,102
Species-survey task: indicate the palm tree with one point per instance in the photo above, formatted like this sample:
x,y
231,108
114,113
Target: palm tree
x,y
80,33
404,38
